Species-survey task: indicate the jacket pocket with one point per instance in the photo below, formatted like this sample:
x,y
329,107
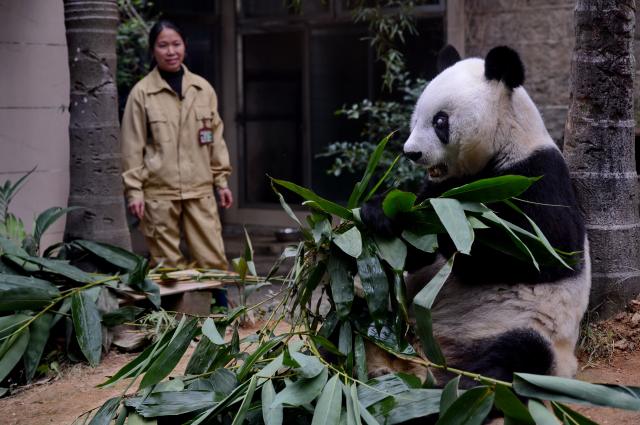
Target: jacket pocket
x,y
157,124
203,112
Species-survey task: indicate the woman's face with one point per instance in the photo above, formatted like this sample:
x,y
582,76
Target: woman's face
x,y
169,50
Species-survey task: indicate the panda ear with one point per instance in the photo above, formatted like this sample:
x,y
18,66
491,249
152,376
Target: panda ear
x,y
447,56
503,64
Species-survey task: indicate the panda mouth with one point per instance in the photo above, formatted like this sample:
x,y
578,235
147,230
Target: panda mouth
x,y
438,170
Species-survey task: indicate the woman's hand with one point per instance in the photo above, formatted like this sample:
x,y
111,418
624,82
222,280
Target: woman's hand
x,y
226,197
136,207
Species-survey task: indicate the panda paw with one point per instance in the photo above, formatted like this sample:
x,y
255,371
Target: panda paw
x,y
373,217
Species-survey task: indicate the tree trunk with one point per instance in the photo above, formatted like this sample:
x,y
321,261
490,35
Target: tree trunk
x,y
95,167
599,146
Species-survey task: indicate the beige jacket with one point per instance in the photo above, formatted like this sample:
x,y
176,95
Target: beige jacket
x,y
161,154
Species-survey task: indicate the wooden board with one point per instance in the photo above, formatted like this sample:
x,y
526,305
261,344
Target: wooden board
x,y
181,286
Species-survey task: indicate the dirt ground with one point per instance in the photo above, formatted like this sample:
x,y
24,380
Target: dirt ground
x,y
62,400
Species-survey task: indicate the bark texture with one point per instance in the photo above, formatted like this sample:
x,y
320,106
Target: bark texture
x,y
95,181
599,146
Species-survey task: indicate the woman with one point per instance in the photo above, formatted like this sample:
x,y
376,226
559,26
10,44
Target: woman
x,y
174,155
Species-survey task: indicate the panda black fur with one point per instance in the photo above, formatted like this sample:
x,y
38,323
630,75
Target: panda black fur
x,y
497,315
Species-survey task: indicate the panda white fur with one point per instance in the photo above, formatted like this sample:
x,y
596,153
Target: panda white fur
x,y
497,315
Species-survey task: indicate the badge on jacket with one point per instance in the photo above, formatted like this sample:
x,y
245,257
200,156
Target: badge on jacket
x,y
205,134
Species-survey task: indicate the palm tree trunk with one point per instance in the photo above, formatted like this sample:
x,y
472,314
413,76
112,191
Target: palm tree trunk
x,y
599,146
95,182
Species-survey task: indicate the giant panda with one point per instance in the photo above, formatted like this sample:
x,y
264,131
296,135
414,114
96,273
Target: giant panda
x,y
497,315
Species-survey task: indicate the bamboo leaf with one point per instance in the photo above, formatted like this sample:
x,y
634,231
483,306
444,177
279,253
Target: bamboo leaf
x,y
512,407
171,355
302,391
471,408
360,187
374,284
450,394
422,305
272,415
570,416
128,313
107,412
45,219
257,355
171,403
341,283
382,179
11,352
426,243
541,415
573,391
86,322
309,366
397,202
350,242
286,206
327,410
393,251
454,220
493,189
360,355
39,335
324,204
210,331
246,401
491,216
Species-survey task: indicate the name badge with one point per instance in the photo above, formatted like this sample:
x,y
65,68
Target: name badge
x,y
205,134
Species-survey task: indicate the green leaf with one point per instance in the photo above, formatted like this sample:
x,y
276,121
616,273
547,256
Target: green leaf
x,y
140,363
327,410
270,369
326,344
405,406
309,366
399,291
450,394
25,293
257,355
541,237
45,219
471,408
393,251
171,403
493,189
246,401
382,179
422,304
286,206
398,202
11,352
512,407
491,216
86,322
360,355
10,324
411,381
426,243
107,412
573,391
302,391
326,206
128,313
57,267
350,242
570,416
117,256
341,283
210,331
171,355
322,229
374,284
454,220
39,335
272,415
360,187
541,415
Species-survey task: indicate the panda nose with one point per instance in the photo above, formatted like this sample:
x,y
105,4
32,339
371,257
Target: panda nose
x,y
414,156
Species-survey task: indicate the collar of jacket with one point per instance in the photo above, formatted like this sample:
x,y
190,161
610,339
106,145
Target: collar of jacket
x,y
157,83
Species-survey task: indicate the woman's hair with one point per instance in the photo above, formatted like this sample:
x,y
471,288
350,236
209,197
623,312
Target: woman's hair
x,y
156,29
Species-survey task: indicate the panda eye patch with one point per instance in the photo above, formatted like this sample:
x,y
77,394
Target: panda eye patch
x,y
440,124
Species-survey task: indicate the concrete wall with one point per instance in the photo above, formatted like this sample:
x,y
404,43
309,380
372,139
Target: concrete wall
x,y
34,119
542,32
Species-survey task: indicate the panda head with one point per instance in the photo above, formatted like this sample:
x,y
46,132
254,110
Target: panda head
x,y
473,112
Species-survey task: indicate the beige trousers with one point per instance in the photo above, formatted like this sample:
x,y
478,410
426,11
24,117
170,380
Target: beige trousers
x,y
198,219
